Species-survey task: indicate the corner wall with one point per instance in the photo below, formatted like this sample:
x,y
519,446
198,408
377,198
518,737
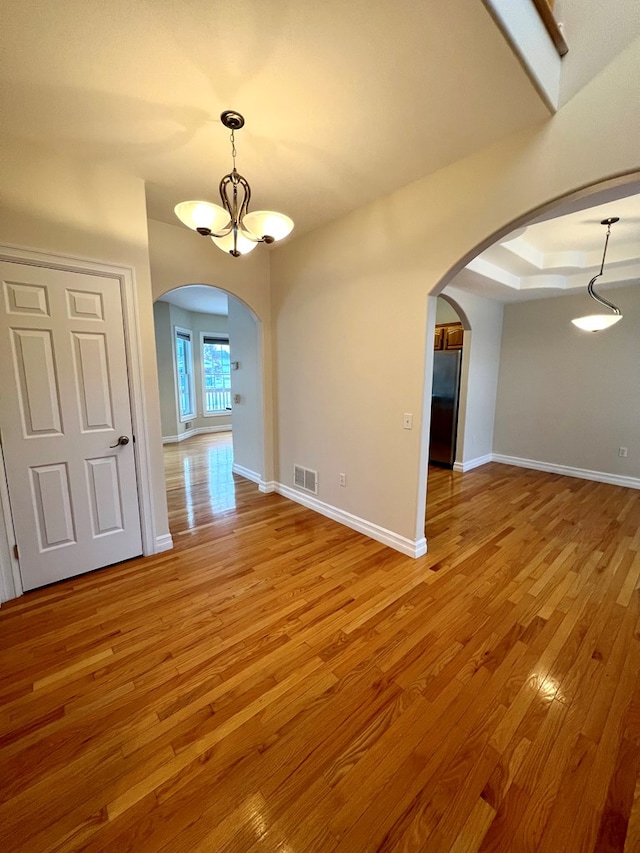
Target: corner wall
x,y
349,300
570,398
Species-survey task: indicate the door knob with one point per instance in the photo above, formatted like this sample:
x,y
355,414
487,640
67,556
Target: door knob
x,y
124,439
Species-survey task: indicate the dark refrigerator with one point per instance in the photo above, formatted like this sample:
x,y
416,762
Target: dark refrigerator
x,y
444,407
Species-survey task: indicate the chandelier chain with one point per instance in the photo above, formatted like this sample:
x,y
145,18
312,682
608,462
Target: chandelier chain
x,y
606,243
233,149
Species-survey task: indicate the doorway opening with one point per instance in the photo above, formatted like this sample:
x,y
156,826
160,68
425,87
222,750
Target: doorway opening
x,y
448,348
79,496
210,384
520,403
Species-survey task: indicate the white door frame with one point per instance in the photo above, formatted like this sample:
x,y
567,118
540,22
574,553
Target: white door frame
x,y
10,581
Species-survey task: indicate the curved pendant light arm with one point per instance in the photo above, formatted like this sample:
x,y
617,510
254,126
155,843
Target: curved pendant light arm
x,y
590,287
599,298
230,184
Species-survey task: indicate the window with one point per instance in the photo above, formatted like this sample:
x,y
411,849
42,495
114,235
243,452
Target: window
x,y
216,374
184,374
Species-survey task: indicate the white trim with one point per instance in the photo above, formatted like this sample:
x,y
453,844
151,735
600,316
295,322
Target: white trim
x,y
173,439
246,473
203,389
527,36
410,547
265,487
10,578
567,471
164,543
139,416
470,464
177,332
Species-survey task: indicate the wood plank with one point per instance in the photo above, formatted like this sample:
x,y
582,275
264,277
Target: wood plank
x,y
278,681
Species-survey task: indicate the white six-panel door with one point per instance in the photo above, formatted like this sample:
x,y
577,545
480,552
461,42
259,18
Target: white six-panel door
x,y
64,402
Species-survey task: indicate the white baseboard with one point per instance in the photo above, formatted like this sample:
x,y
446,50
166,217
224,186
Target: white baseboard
x,y
163,543
567,471
470,464
172,439
410,547
246,473
263,486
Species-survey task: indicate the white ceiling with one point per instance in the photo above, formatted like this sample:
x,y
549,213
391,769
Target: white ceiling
x,y
343,101
560,251
198,297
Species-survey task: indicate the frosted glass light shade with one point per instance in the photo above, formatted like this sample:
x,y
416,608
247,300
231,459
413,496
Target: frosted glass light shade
x,y
596,322
268,223
244,245
202,214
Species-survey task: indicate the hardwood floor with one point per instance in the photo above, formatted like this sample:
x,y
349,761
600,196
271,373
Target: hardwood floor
x,y
281,683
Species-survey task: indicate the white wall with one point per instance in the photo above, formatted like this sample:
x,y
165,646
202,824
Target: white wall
x,y
595,32
568,397
166,376
248,445
341,293
446,313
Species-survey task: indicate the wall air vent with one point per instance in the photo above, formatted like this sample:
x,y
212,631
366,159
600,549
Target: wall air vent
x,y
305,479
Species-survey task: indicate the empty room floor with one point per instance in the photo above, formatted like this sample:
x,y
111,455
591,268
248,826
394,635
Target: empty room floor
x,y
279,682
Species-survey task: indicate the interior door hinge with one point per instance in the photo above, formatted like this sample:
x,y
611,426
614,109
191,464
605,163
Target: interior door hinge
x,y
15,552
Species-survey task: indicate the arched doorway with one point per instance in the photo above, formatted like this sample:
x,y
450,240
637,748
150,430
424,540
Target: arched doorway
x,y
533,382
208,346
447,385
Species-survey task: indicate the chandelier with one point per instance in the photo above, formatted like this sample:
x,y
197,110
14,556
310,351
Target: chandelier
x,y
232,227
596,322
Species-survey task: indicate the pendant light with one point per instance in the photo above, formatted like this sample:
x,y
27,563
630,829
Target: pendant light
x,y
232,227
597,322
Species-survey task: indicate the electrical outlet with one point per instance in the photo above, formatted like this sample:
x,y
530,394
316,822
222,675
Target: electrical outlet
x,y
622,452
343,479
407,421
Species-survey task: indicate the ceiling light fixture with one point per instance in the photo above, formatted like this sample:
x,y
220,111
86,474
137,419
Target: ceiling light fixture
x,y
231,227
596,322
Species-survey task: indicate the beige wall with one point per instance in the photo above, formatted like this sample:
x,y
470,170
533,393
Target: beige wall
x,y
56,205
244,335
180,256
568,397
349,300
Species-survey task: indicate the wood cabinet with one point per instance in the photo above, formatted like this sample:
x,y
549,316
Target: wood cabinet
x,y
448,336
